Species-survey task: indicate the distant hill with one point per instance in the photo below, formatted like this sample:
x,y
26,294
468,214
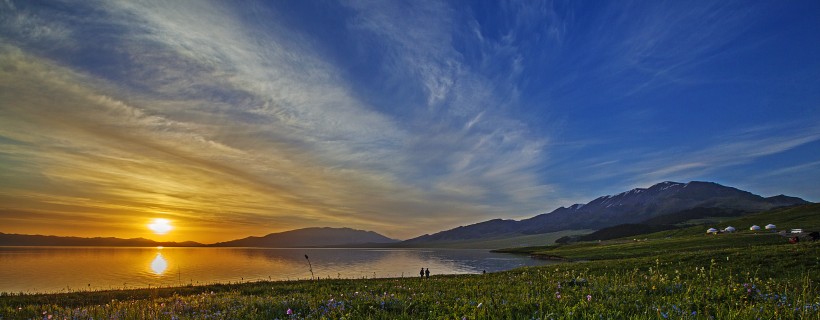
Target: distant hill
x,y
310,237
641,204
7,239
806,217
630,207
615,232
669,221
481,230
693,214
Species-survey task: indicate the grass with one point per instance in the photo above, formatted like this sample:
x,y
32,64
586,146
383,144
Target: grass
x,y
651,247
681,274
689,239
772,281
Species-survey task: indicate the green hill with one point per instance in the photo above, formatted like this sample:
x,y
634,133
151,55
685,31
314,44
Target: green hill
x,y
692,239
806,217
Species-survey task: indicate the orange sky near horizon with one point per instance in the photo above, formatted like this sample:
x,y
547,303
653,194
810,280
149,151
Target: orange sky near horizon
x,y
81,174
94,179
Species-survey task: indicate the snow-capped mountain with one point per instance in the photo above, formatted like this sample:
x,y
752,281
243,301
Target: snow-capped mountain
x,y
642,203
632,206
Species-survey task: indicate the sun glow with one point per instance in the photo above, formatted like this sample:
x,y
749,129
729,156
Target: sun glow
x,y
160,226
158,265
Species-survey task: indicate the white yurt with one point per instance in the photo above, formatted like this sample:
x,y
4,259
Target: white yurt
x,y
729,229
754,228
770,227
712,231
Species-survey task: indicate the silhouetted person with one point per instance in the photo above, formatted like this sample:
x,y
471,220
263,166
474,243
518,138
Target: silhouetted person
x,y
427,273
421,273
484,272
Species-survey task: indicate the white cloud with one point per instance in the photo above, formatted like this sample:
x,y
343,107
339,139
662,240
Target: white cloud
x,y
727,151
222,117
492,151
22,24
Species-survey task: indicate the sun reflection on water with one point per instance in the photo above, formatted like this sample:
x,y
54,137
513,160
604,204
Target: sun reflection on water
x,y
158,265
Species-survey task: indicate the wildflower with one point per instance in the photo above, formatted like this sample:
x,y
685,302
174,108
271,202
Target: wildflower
x,y
480,304
289,312
589,297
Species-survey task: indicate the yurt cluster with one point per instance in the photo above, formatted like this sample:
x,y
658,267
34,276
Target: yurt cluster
x,y
730,229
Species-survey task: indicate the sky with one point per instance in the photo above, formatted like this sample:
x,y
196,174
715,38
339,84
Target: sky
x,y
232,119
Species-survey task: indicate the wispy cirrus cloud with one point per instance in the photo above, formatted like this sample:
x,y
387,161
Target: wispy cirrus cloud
x,y
263,117
642,168
473,139
210,117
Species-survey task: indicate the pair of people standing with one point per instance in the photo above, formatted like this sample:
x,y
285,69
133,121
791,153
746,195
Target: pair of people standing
x,y
424,273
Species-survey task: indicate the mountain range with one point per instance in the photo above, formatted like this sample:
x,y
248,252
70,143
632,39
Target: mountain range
x,y
307,237
11,239
632,206
660,205
310,237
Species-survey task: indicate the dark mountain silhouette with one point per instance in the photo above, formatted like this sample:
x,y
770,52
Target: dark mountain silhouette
x,y
662,205
310,237
7,239
628,207
486,229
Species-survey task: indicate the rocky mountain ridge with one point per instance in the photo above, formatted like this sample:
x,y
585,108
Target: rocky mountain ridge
x,y
631,206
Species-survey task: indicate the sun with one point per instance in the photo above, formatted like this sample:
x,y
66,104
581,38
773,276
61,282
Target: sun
x,y
160,226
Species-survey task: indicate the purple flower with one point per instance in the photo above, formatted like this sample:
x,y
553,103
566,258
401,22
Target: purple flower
x,y
289,312
589,298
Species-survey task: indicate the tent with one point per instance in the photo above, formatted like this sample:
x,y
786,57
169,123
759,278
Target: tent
x,y
754,228
770,227
712,231
729,229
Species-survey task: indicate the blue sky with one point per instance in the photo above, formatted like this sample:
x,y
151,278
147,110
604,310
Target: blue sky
x,y
399,117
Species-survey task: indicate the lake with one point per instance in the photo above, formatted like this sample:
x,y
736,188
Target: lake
x,y
61,269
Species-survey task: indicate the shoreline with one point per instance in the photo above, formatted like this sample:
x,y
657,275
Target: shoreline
x,y
665,282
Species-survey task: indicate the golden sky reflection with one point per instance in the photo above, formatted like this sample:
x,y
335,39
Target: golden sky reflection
x,y
159,264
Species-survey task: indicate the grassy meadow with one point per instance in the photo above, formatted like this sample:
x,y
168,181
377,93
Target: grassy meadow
x,y
686,276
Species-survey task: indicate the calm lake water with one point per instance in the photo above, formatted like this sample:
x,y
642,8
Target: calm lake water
x,y
58,269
